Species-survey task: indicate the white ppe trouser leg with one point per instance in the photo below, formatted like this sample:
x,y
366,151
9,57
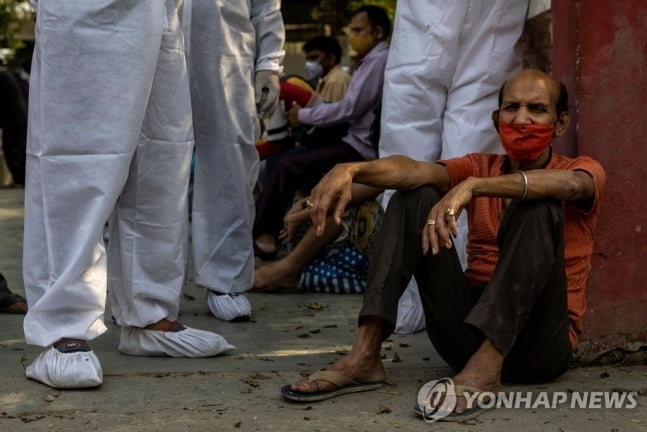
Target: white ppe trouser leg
x,y
94,67
221,64
450,57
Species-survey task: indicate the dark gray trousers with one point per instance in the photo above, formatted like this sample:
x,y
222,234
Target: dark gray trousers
x,y
522,310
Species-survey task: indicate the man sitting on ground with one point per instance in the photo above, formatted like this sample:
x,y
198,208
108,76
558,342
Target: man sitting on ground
x,y
516,312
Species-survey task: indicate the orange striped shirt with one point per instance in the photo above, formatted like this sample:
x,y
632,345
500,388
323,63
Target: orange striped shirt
x,y
485,215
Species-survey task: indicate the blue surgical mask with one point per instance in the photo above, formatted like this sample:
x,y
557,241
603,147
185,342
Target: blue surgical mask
x,y
314,70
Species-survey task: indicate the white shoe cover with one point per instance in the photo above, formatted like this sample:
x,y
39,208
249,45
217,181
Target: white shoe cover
x,y
229,307
73,370
184,343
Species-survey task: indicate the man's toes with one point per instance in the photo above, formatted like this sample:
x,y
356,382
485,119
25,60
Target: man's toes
x,y
307,386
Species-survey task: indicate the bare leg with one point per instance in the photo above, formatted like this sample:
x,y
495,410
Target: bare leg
x,y
362,363
285,272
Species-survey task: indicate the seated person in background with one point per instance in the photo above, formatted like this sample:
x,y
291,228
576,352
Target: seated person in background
x,y
335,262
516,312
323,68
323,73
303,166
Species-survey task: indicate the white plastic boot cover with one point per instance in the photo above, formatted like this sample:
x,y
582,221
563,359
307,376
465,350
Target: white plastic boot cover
x,y
229,307
188,342
72,370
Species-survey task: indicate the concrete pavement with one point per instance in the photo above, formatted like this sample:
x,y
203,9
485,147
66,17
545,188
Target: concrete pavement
x,y
291,334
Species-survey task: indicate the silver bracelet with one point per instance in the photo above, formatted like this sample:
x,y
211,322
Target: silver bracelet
x,y
525,184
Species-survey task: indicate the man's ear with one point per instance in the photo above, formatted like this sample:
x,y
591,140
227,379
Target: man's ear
x,y
562,123
379,32
495,119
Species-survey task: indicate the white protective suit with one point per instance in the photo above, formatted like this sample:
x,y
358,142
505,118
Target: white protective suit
x,y
109,134
230,41
450,57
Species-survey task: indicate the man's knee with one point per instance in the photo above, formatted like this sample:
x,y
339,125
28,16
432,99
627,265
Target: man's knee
x,y
540,210
406,198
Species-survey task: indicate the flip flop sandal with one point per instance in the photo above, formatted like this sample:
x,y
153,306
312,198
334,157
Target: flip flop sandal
x,y
445,387
344,385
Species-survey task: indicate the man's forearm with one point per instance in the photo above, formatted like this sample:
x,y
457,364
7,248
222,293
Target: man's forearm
x,y
563,185
398,172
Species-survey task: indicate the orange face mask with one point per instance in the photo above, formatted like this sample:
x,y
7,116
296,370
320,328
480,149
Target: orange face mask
x,y
525,142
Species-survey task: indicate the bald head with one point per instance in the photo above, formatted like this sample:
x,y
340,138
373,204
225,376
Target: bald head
x,y
534,81
533,97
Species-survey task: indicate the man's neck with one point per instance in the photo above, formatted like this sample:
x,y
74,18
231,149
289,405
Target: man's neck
x,y
541,162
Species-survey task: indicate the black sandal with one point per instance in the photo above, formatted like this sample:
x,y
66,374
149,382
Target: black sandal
x,y
9,300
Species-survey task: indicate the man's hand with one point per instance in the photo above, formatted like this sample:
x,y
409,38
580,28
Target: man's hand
x,y
293,115
293,219
266,89
441,223
334,189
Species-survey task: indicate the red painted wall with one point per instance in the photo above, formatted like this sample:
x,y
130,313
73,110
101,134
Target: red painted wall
x,y
600,52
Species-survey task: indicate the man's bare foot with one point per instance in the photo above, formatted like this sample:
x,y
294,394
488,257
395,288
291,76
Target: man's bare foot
x,y
358,367
482,372
276,276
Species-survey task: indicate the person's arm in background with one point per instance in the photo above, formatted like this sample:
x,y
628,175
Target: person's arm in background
x,y
270,37
364,92
300,211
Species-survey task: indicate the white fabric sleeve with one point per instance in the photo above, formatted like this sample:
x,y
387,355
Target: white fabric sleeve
x,y
270,34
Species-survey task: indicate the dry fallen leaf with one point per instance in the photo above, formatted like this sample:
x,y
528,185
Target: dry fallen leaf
x,y
259,376
314,306
251,382
383,409
31,417
396,358
52,395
